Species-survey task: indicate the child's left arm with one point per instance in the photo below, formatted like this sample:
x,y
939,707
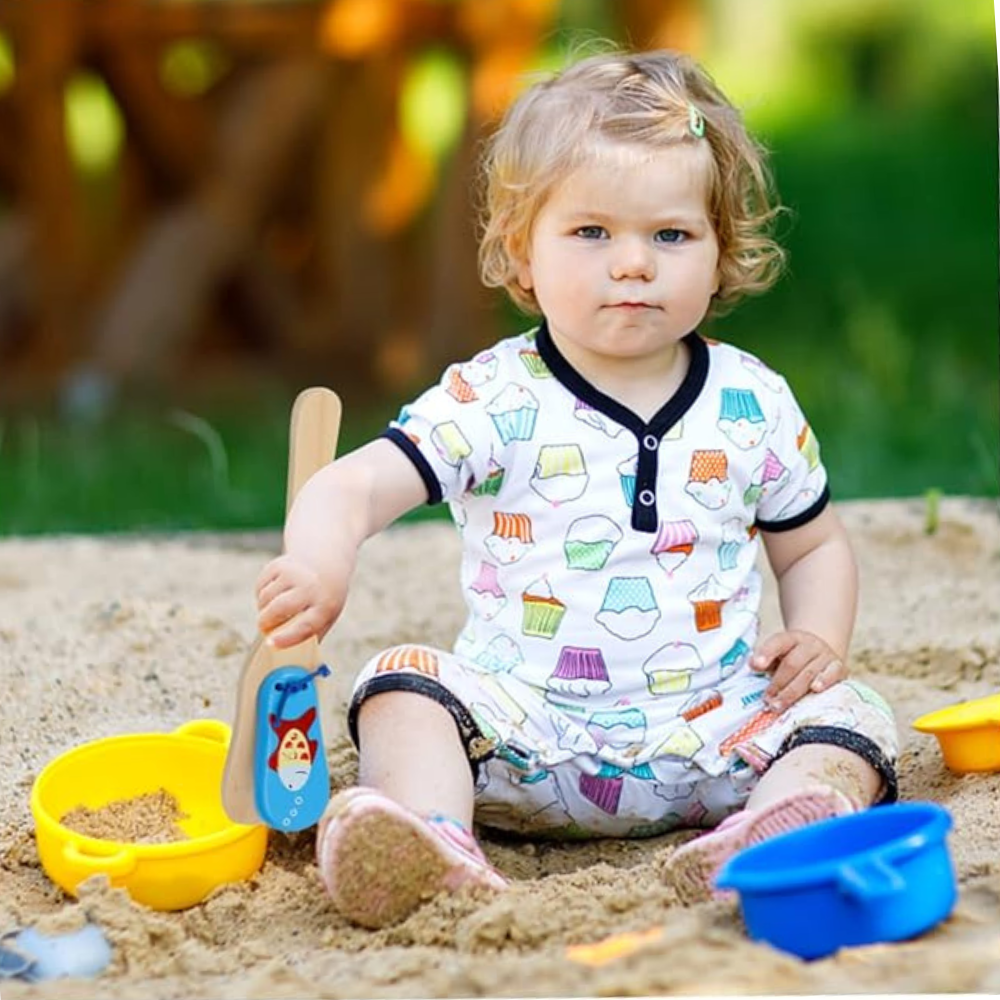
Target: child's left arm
x,y
818,590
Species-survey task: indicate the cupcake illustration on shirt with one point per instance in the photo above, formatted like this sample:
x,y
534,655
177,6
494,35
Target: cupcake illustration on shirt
x,y
420,659
620,727
770,474
560,473
543,612
458,388
514,412
676,431
682,744
674,543
734,536
480,370
741,419
629,610
604,789
701,703
580,671
627,472
493,482
451,443
593,417
707,599
501,655
808,446
742,738
734,659
671,668
708,480
511,537
485,593
513,713
590,542
532,361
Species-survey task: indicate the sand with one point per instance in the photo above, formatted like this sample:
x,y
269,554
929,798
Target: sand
x,y
104,636
146,818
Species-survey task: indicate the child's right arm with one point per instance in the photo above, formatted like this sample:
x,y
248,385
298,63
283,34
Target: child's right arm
x,y
302,593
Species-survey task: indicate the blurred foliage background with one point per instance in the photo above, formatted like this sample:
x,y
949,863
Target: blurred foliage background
x,y
207,205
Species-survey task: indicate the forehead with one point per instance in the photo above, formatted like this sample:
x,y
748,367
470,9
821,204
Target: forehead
x,y
619,174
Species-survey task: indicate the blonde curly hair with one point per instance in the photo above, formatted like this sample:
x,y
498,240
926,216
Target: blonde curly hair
x,y
653,100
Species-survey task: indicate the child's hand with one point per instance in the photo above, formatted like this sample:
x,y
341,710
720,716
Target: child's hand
x,y
801,662
294,603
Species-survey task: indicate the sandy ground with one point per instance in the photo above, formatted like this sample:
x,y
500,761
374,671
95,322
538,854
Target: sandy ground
x,y
100,637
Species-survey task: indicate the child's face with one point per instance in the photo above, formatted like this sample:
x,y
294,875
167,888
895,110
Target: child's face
x,y
623,257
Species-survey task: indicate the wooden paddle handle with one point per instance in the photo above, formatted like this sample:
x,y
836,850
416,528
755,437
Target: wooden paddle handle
x,y
313,433
312,443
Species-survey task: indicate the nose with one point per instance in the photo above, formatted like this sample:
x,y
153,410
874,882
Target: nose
x,y
632,259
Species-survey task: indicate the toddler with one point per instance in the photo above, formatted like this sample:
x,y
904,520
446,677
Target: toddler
x,y
613,474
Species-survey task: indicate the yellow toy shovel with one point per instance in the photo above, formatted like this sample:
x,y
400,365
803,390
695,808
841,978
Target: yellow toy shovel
x,y
276,770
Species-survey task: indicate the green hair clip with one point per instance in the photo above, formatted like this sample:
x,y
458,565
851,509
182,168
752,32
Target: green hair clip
x,y
696,121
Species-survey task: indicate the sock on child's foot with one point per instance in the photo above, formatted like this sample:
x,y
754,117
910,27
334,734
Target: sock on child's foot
x,y
379,861
692,869
798,809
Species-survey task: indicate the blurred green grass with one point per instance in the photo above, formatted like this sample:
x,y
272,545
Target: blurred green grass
x,y
887,323
886,326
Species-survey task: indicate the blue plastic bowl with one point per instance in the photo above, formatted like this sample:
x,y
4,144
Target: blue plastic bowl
x,y
884,874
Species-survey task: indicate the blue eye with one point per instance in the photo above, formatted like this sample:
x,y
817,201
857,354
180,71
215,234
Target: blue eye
x,y
591,232
670,236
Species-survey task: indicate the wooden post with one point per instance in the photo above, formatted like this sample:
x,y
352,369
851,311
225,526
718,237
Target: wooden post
x,y
47,49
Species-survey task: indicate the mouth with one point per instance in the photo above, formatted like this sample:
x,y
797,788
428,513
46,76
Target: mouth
x,y
632,306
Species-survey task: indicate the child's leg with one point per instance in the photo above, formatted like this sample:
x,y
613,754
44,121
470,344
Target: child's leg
x,y
818,765
403,835
409,748
808,784
831,753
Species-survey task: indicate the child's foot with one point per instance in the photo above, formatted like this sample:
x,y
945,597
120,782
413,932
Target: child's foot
x,y
692,869
379,861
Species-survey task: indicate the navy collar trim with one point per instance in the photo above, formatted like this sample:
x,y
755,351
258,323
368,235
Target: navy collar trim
x,y
668,414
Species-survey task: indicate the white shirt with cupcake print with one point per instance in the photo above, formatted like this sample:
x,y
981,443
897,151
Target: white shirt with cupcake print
x,y
609,561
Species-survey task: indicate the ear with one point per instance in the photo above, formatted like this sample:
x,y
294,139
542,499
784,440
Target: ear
x,y
524,278
717,277
517,251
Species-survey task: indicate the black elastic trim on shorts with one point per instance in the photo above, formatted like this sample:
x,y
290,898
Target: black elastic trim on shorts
x,y
814,510
469,733
412,452
857,743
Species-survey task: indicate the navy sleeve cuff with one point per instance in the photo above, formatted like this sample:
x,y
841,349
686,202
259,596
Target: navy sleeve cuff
x,y
412,452
799,519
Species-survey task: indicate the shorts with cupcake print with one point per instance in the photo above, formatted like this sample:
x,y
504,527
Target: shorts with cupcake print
x,y
556,761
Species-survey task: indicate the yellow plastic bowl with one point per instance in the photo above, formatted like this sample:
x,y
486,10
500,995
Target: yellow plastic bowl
x,y
186,763
969,734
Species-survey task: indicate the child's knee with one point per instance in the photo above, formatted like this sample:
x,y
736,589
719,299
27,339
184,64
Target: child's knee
x,y
400,709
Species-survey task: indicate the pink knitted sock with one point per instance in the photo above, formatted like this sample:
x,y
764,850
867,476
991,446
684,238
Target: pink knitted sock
x,y
693,868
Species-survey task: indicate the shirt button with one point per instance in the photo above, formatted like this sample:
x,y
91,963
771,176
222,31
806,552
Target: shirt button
x,y
646,498
650,442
